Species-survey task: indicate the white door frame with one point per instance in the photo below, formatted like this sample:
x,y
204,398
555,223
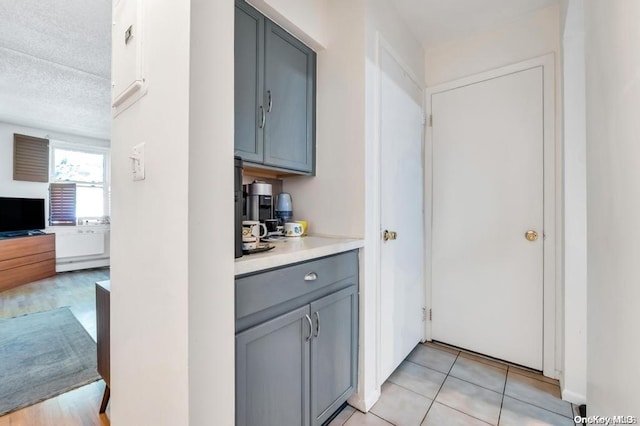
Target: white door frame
x,y
552,246
381,43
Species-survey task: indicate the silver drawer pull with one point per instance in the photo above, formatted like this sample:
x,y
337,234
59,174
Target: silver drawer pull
x,y
317,323
311,276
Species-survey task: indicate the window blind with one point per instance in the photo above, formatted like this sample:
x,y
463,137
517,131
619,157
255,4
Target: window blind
x,y
30,158
62,204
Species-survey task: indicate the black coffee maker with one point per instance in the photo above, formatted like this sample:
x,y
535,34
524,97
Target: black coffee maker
x,y
238,206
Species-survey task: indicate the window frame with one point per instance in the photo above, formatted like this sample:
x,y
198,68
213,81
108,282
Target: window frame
x,y
106,172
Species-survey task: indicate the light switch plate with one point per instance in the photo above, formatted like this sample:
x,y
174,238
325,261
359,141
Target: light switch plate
x,y
137,162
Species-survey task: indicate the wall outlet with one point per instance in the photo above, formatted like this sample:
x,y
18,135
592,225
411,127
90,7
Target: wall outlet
x,y
137,162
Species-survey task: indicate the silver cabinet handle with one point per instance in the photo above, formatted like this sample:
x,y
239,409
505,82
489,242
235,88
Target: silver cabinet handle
x,y
310,327
317,323
311,276
270,101
263,117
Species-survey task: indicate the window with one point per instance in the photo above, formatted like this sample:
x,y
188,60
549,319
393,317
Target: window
x,y
85,169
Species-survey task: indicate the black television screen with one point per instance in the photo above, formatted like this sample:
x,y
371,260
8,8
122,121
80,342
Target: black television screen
x,y
21,214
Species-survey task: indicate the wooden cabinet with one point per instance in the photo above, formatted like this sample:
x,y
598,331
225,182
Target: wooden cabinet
x,y
103,343
26,259
296,342
275,77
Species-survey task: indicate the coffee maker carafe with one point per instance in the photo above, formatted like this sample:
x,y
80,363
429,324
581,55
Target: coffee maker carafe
x,y
259,201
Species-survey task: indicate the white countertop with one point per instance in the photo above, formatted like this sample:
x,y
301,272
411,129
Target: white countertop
x,y
293,250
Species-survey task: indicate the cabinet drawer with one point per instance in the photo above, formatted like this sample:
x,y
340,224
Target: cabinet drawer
x,y
26,260
256,293
27,273
24,246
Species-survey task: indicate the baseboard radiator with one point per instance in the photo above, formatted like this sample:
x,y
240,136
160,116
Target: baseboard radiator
x,y
81,249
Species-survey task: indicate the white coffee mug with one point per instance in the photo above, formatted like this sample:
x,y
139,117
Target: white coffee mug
x,y
293,229
254,228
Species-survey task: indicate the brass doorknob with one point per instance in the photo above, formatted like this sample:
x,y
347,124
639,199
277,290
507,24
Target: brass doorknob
x,y
531,235
389,235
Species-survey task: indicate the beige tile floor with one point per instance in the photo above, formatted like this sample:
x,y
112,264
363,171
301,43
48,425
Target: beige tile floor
x,y
437,385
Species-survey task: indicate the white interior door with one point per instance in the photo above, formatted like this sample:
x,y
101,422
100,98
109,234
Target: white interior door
x,y
487,278
401,173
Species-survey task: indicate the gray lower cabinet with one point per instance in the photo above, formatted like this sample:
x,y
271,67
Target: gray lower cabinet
x,y
296,342
275,78
272,371
334,352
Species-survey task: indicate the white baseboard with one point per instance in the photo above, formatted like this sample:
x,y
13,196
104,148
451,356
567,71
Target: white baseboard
x,y
365,400
573,397
82,264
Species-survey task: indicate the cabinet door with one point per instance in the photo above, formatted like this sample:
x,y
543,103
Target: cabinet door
x,y
334,350
272,372
289,101
249,80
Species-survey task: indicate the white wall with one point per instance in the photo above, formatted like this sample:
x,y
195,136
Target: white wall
x,y
532,36
14,188
150,233
305,19
613,206
333,201
575,205
211,202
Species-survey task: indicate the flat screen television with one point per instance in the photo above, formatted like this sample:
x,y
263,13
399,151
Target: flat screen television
x,y
21,214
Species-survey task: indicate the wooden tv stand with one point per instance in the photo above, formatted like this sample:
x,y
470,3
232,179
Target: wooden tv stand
x,y
26,259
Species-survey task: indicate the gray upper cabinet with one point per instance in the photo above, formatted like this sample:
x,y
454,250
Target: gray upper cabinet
x,y
249,60
275,77
290,87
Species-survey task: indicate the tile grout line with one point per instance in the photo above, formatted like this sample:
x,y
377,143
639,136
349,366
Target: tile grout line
x,y
441,385
508,365
462,380
462,412
350,415
504,389
537,406
381,418
529,403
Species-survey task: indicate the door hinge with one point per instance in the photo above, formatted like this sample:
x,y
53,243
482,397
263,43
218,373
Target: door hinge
x,y
424,314
430,314
430,120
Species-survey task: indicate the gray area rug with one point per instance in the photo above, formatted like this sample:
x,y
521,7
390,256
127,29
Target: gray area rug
x,y
43,355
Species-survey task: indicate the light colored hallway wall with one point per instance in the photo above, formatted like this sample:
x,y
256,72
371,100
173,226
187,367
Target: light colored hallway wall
x,y
574,386
149,233
613,203
307,20
333,201
211,201
529,37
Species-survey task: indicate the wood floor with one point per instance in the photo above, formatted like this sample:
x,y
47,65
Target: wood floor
x,y
75,290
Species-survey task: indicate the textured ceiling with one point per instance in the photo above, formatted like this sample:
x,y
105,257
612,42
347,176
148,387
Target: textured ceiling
x,y
438,21
55,59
